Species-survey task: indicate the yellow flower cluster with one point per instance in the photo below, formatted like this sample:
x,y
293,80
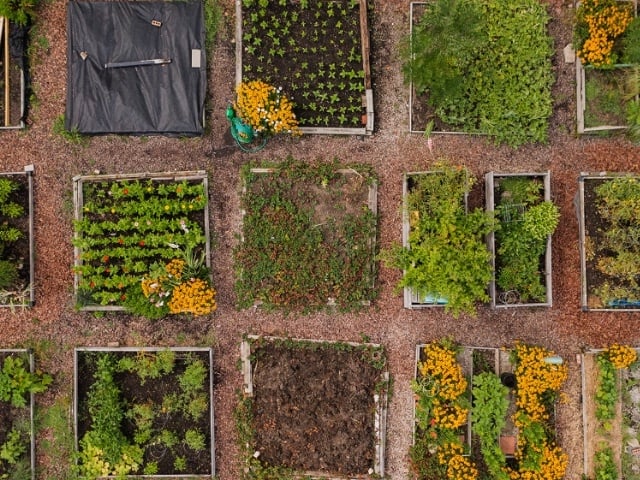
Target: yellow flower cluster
x,y
622,356
606,20
459,467
152,286
552,467
194,296
265,108
174,268
449,415
535,377
441,365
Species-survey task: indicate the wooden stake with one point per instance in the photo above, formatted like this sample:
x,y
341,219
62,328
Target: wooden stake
x,y
7,99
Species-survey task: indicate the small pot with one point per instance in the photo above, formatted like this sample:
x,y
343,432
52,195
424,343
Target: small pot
x,y
508,379
508,444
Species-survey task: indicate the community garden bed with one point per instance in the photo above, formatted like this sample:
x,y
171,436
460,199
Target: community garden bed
x,y
312,408
486,412
129,227
443,254
144,411
18,384
605,39
318,52
16,239
13,80
308,236
609,250
468,63
521,245
611,412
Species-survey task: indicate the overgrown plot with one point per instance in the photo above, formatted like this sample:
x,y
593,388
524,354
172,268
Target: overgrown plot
x,y
481,66
144,411
308,237
312,407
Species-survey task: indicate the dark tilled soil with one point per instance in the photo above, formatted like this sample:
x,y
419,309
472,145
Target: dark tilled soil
x,y
313,409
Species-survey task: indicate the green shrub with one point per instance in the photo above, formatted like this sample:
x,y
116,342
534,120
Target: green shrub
x,y
490,404
477,69
18,11
8,274
16,381
525,224
447,255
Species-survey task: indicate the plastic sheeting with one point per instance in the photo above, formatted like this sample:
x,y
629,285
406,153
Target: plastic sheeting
x,y
110,89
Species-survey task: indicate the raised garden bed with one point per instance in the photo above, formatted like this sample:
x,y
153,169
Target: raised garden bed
x,y
144,411
450,270
611,412
318,52
467,65
312,408
130,226
16,239
520,248
604,95
13,47
609,251
308,236
478,411
18,384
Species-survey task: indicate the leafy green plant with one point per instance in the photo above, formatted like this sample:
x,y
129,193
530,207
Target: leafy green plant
x,y
617,251
525,222
194,440
16,381
441,48
446,256
21,12
488,418
148,364
13,447
605,465
607,390
476,57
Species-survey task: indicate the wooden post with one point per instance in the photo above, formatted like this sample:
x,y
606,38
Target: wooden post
x,y
7,99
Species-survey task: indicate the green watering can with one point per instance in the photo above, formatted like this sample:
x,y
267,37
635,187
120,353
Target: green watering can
x,y
242,133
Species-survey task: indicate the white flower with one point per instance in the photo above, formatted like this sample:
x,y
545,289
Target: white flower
x,y
173,245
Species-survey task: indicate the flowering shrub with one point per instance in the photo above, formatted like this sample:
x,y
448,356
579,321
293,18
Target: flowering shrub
x,y
535,378
599,23
265,108
180,286
538,382
621,356
442,408
458,466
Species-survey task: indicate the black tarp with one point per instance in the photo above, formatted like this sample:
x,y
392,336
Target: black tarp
x,y
163,99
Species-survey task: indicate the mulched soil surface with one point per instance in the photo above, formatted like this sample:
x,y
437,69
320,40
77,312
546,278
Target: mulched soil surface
x,y
563,328
313,409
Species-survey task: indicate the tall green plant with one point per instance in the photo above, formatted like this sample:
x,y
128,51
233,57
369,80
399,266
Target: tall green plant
x,y
525,224
488,415
446,255
16,381
441,48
